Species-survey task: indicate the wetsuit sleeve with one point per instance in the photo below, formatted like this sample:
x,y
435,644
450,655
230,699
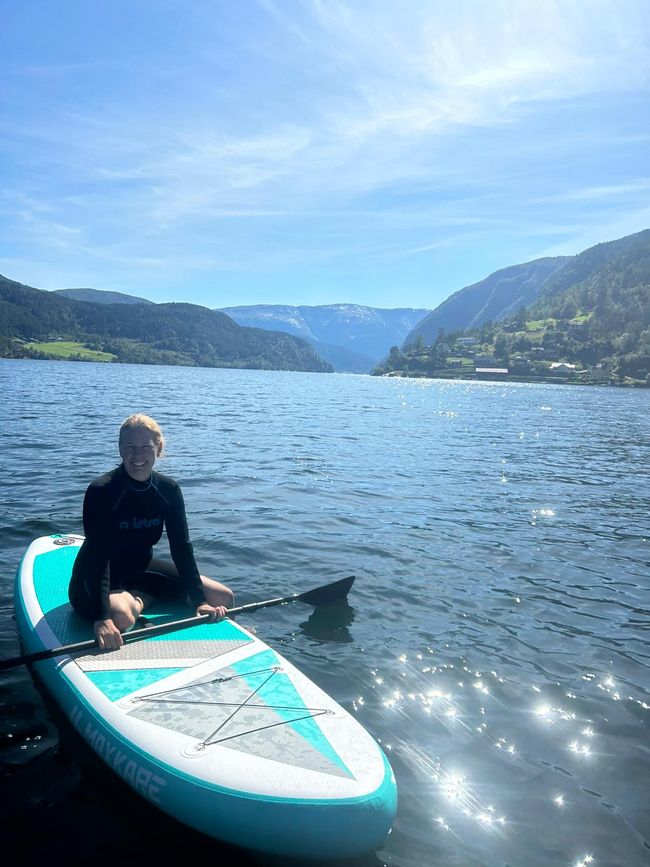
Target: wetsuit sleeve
x,y
96,549
180,546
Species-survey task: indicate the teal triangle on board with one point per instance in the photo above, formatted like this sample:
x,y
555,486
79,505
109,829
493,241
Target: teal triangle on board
x,y
279,690
118,683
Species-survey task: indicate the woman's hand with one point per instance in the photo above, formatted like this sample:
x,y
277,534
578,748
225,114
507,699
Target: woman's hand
x,y
107,634
215,612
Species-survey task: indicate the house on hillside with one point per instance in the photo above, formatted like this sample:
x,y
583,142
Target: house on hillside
x,y
466,341
562,367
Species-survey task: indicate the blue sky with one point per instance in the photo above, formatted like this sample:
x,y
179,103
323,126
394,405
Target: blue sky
x,y
314,151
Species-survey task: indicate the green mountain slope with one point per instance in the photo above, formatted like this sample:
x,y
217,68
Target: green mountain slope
x,y
151,333
590,323
496,297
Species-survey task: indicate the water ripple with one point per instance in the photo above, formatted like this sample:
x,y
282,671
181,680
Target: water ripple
x,y
495,640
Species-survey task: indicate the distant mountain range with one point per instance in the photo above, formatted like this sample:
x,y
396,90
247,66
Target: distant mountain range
x,y
343,337
350,337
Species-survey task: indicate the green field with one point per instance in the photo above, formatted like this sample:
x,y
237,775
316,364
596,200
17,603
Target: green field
x,y
538,324
70,349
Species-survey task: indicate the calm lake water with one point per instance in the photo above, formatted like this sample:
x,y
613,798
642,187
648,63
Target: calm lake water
x,y
495,641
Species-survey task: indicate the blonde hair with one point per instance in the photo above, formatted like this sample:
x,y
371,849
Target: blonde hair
x,y
138,419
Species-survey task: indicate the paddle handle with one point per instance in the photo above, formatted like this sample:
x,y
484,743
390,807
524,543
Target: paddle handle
x,y
174,625
137,634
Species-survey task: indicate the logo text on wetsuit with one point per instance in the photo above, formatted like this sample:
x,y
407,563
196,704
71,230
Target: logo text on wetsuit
x,y
143,781
140,523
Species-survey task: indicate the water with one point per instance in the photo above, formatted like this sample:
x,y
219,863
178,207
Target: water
x,y
495,641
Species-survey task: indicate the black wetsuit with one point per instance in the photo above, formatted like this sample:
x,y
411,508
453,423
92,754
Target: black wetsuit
x,y
123,519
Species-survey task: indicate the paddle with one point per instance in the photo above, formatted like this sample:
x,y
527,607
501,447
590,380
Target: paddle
x,y
319,596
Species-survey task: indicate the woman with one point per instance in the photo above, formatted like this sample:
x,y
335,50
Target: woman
x,y
114,577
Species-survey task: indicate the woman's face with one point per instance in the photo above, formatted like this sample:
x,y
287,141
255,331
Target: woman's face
x,y
138,451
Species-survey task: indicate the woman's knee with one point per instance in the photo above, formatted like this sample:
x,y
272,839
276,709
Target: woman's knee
x,y
123,610
224,596
216,593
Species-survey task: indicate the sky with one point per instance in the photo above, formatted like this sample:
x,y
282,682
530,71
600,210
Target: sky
x,y
230,152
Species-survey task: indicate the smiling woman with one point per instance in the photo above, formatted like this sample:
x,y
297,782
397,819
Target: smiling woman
x,y
115,576
141,442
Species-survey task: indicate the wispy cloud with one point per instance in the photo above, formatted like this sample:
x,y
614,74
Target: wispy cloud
x,y
416,117
604,193
608,227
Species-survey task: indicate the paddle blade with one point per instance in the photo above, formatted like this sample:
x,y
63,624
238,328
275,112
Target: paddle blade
x,y
328,593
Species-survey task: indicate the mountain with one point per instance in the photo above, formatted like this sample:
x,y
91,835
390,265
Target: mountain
x,y
365,333
342,360
622,260
147,333
101,296
589,323
496,297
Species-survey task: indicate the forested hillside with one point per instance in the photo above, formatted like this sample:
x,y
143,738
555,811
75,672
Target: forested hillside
x,y
34,323
498,296
591,323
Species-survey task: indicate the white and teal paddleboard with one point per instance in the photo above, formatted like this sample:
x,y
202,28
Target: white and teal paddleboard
x,y
211,725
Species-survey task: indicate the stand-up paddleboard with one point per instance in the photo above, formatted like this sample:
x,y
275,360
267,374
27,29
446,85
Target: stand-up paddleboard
x,y
211,725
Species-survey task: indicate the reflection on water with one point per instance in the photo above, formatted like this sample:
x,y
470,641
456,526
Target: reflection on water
x,y
520,761
495,639
330,622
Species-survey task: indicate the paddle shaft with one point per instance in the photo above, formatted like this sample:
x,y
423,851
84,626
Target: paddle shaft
x,y
326,594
